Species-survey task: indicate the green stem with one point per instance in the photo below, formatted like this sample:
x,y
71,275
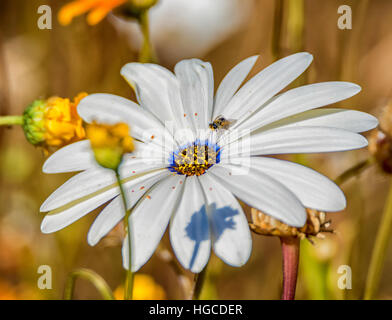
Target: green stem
x,y
379,250
147,52
128,288
354,171
91,276
11,120
199,282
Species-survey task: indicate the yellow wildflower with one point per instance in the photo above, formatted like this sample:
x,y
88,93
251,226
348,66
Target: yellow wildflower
x,y
98,10
144,288
109,143
53,122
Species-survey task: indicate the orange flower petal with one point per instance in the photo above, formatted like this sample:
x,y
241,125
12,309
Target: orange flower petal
x,y
75,8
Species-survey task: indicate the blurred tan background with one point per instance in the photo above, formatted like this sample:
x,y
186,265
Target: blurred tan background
x,y
63,61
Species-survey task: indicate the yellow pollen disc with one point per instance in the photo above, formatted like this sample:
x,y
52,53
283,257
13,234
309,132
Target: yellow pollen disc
x,y
194,160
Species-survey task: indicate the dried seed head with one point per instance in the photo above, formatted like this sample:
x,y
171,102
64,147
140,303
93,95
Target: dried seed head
x,y
380,141
315,225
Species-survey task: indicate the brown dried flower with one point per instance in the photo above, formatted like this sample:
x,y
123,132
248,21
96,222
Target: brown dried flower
x,y
315,225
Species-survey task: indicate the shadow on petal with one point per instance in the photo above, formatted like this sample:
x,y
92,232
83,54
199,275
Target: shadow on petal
x,y
198,228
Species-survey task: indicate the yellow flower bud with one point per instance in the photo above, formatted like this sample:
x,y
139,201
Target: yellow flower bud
x,y
109,143
144,288
53,122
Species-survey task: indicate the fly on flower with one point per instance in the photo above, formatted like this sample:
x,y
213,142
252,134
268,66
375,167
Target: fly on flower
x,y
197,195
220,122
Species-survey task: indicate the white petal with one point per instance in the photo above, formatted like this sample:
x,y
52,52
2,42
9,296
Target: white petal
x,y
78,156
299,100
231,237
149,220
62,217
74,157
196,86
262,192
91,181
113,213
148,152
189,228
295,140
80,185
111,109
314,190
230,84
350,120
266,84
157,90
151,83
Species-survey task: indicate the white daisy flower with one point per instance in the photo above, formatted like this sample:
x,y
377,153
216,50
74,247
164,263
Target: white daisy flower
x,y
198,198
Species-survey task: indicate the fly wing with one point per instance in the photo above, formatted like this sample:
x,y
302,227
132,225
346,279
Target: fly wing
x,y
228,123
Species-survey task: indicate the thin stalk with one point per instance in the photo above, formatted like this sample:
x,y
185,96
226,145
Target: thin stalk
x,y
11,120
290,259
354,171
296,24
277,29
295,30
128,288
91,276
199,282
147,52
379,250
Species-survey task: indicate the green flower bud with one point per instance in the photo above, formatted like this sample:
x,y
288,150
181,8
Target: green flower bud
x,y
34,123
